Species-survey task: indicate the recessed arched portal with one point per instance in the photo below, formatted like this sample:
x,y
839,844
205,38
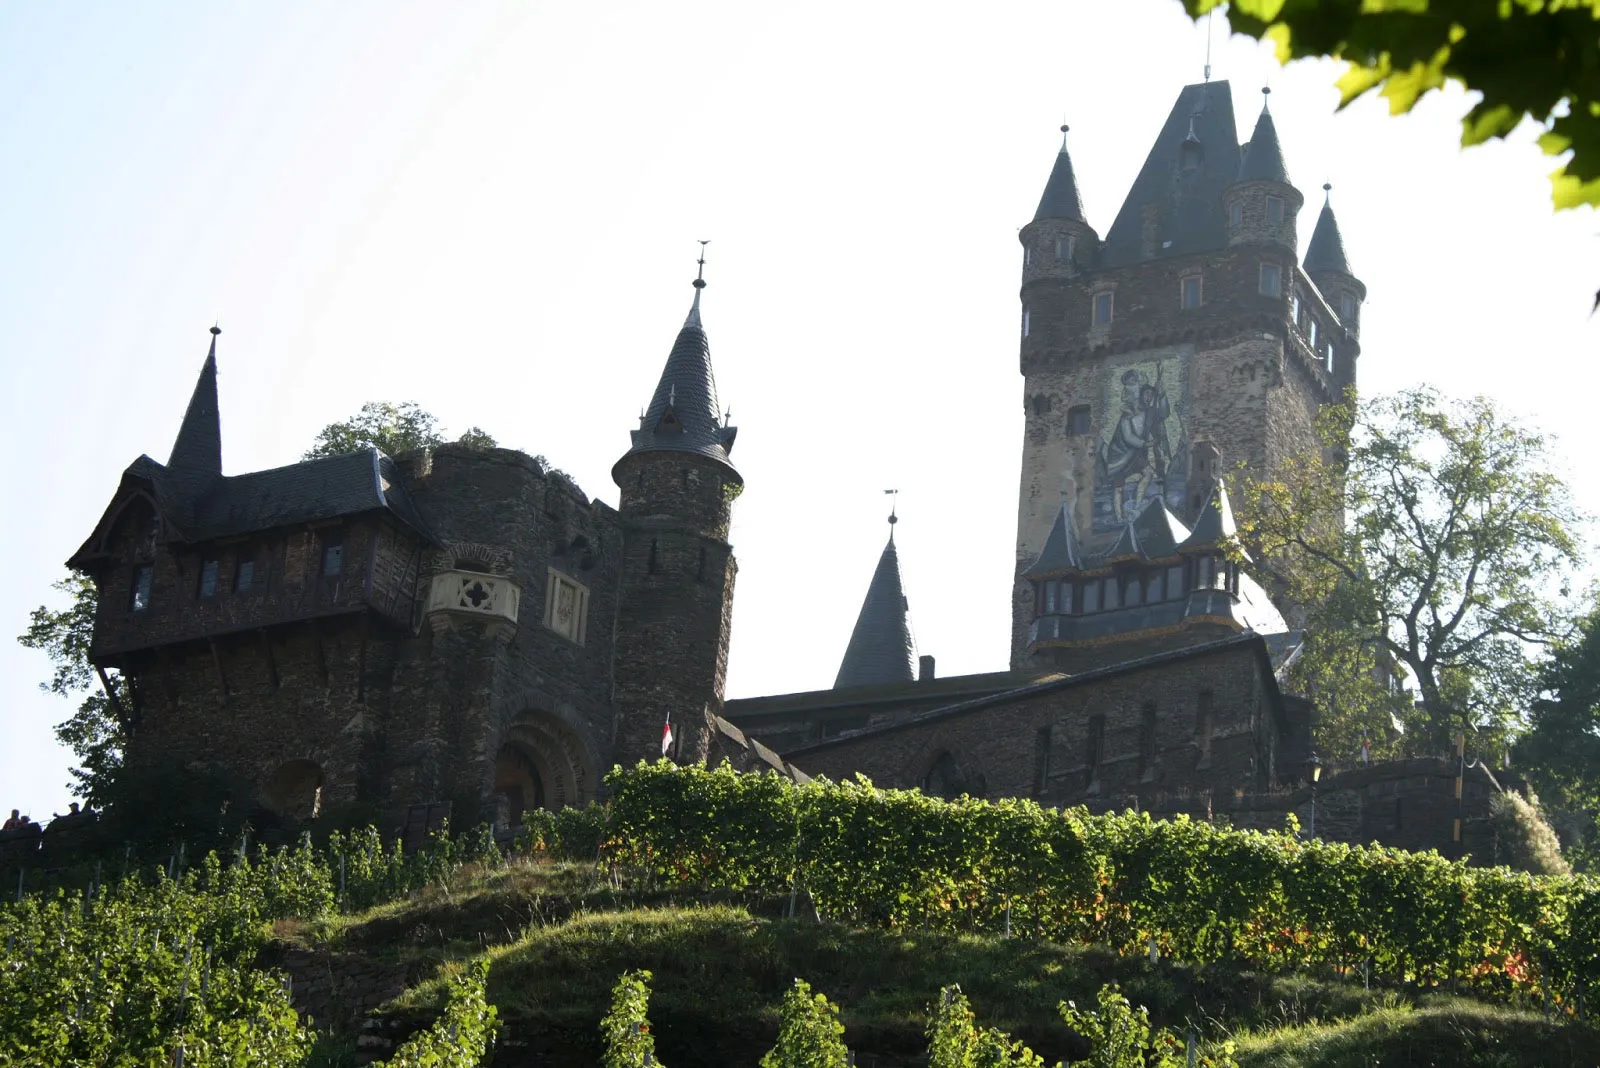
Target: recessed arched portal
x,y
294,790
541,763
944,778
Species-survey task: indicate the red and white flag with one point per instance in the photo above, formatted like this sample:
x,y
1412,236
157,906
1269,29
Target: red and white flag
x,y
666,736
1366,753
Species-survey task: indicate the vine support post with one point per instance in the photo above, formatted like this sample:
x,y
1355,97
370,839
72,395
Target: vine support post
x,y
1008,918
341,881
1191,1053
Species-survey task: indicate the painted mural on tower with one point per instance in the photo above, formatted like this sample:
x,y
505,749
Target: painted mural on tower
x,y
1143,451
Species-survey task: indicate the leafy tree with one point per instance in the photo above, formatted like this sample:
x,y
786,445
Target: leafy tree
x,y
625,1030
93,733
1121,1036
391,429
1524,58
1427,537
1561,748
808,1032
956,1041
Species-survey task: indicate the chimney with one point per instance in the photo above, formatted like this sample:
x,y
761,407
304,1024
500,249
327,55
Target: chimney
x,y
924,669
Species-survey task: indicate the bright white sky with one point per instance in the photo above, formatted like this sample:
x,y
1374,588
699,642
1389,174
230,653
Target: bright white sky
x,y
492,209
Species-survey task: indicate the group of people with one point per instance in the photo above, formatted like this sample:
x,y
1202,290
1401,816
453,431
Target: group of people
x,y
19,826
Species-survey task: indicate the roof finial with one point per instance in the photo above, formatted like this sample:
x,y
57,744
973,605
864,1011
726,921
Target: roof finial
x,y
1064,129
215,329
700,275
1266,91
1327,192
894,504
1213,11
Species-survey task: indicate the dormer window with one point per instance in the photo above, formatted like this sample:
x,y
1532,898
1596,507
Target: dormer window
x,y
1236,213
1102,309
1271,284
1189,291
1274,209
139,595
1064,249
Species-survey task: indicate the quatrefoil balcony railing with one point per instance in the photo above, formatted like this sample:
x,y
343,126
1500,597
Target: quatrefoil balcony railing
x,y
474,593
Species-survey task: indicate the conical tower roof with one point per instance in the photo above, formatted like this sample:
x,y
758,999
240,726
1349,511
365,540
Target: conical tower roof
x,y
1263,156
683,415
881,650
1061,551
196,459
1061,199
1159,531
1326,251
1214,526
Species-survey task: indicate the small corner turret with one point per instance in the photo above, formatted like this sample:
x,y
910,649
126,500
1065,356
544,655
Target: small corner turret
x,y
1059,242
881,651
1327,266
1262,204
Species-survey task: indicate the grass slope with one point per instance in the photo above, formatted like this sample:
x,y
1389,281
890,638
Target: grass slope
x,y
558,944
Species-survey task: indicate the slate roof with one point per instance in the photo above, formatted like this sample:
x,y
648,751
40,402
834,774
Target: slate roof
x,y
1061,551
684,415
326,488
1188,203
1263,156
1214,525
880,649
1326,251
196,460
1061,199
1158,530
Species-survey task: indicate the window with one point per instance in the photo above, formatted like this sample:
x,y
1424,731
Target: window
x,y
1091,596
1025,318
1064,601
1271,280
1330,357
1112,595
1347,307
1152,589
1274,209
1205,572
1175,582
566,606
244,578
208,578
1134,594
333,553
1102,309
1236,213
1064,247
1041,404
1190,291
1311,332
1294,309
1049,598
139,598
1078,420
1027,256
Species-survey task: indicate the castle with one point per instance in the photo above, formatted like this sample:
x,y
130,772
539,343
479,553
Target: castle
x,y
465,625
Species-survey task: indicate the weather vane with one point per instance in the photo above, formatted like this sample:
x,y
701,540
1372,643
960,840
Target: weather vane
x,y
894,502
700,276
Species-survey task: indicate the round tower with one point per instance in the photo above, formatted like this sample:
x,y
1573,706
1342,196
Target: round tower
x,y
1261,205
1058,243
1329,268
675,597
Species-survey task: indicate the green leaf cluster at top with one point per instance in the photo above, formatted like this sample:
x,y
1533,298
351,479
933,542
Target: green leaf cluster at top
x,y
1203,894
1534,59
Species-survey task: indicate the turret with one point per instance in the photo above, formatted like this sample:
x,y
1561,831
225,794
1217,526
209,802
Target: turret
x,y
676,594
1262,204
196,460
1329,268
881,650
1059,242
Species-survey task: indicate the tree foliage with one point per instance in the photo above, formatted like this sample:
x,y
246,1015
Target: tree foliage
x,y
391,429
809,1032
93,733
1428,537
1534,59
956,1041
1561,748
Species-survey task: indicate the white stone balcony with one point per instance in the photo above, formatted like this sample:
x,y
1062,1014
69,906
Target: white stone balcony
x,y
474,593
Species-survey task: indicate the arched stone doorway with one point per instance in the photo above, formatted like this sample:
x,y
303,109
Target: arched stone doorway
x,y
541,763
294,790
944,778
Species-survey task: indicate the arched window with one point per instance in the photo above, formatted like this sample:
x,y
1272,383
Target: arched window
x,y
943,778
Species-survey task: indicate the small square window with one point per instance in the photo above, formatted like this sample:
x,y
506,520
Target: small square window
x,y
1236,213
1191,291
1078,420
208,578
1064,247
139,597
1274,209
1025,321
1271,280
333,554
244,579
1102,309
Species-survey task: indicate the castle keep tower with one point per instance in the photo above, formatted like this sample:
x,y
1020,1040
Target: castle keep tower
x,y
676,596
1186,344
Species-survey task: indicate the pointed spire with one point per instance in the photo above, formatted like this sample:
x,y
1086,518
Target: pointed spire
x,y
1061,551
1214,526
1159,532
1263,157
684,415
881,650
1326,251
196,459
1061,199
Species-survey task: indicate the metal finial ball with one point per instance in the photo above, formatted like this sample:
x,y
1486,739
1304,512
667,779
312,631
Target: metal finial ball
x,y
1064,127
1327,187
215,330
893,519
699,283
1266,90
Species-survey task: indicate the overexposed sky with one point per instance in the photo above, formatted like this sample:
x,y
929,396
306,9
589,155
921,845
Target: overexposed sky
x,y
492,209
